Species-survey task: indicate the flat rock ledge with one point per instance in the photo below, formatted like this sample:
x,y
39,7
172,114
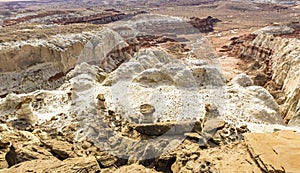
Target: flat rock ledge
x,y
276,152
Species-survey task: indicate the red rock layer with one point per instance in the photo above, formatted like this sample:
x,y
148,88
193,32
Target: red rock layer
x,y
204,25
10,22
100,18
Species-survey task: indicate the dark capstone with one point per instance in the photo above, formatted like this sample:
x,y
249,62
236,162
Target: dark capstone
x,y
167,128
11,156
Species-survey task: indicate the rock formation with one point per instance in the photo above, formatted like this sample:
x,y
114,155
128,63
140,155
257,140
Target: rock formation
x,y
204,25
9,22
25,113
148,95
274,64
37,64
102,18
270,150
43,63
71,16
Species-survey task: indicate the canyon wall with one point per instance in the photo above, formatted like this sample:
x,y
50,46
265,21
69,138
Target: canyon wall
x,y
9,22
42,64
273,56
69,17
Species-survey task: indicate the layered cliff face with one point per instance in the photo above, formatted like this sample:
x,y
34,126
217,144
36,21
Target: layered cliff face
x,y
43,63
69,17
273,58
9,22
154,24
36,64
102,18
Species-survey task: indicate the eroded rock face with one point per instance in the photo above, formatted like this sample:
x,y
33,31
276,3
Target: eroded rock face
x,y
112,111
70,138
204,25
241,97
147,100
25,112
155,78
42,64
102,18
10,22
69,17
153,24
275,65
153,71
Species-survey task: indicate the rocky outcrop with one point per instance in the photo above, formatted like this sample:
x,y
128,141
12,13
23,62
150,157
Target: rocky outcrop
x,y
140,112
69,17
194,80
25,113
153,24
42,64
153,78
10,22
270,150
133,104
272,7
274,64
142,97
179,2
102,18
34,149
294,29
263,108
204,25
79,164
